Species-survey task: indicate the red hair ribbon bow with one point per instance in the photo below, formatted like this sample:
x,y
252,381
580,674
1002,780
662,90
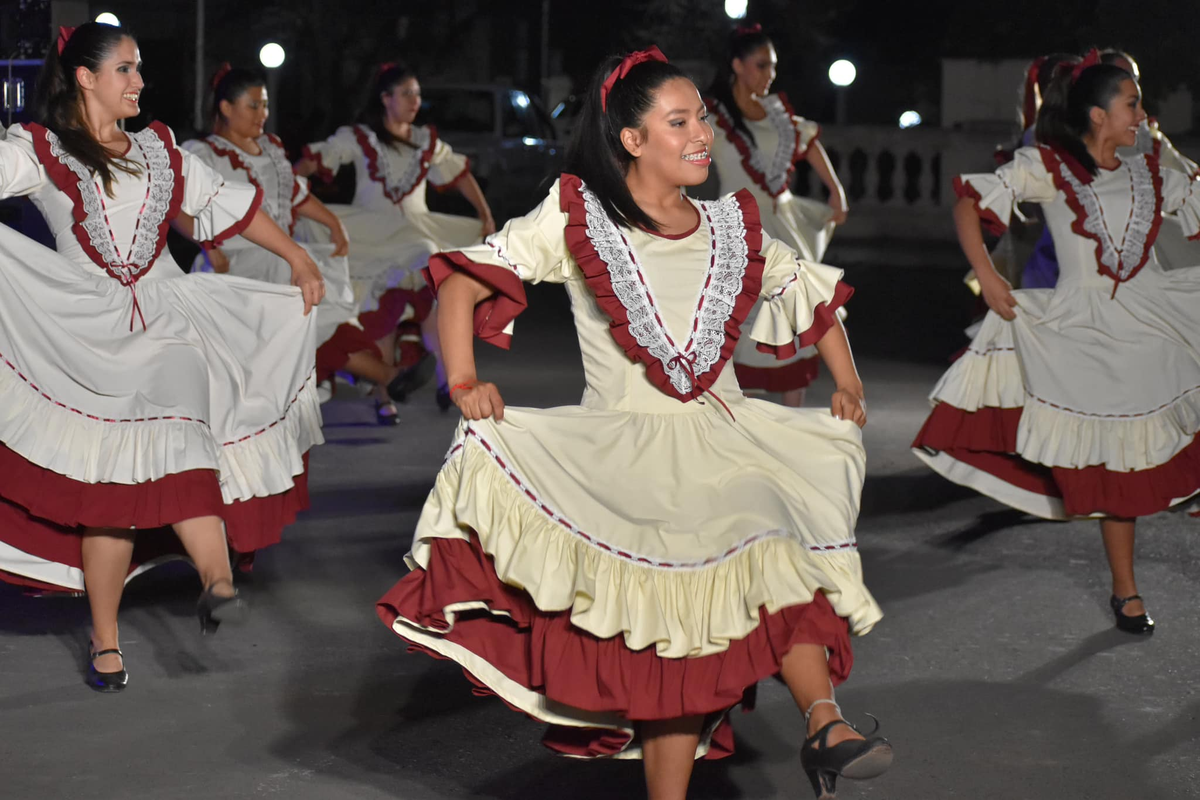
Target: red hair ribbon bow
x,y
1029,105
64,36
746,30
629,62
1090,60
384,67
221,72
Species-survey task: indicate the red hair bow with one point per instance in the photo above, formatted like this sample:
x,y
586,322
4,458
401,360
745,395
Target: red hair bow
x,y
1090,60
384,67
221,72
746,30
64,36
629,62
1029,104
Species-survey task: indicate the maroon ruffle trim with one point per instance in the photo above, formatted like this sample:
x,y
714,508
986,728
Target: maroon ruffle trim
x,y
494,314
789,377
824,318
989,218
545,653
347,340
987,440
257,523
236,228
323,173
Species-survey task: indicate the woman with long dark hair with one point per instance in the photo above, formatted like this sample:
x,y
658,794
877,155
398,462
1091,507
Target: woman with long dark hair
x,y
239,149
626,569
393,230
133,396
1080,401
759,139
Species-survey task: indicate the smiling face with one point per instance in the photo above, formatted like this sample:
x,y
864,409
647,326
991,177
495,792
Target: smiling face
x,y
113,91
1119,122
673,142
247,115
756,72
403,102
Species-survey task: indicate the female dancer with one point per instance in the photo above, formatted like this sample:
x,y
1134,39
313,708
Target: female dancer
x,y
239,150
394,231
757,144
1083,400
628,568
134,396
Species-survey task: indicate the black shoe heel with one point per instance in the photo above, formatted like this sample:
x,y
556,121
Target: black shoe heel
x,y
213,609
386,420
859,759
106,682
1142,624
412,378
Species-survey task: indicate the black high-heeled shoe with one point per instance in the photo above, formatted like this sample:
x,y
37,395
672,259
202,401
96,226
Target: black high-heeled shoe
x,y
388,419
213,609
1141,624
106,682
410,379
857,759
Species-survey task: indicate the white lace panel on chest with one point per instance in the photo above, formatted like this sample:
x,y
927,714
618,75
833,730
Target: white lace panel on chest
x,y
776,166
400,179
727,263
1122,260
159,191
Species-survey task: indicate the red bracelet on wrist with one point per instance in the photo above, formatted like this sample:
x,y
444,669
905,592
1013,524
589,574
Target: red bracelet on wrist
x,y
458,386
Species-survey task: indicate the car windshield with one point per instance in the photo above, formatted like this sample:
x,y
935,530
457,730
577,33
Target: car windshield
x,y
462,110
523,117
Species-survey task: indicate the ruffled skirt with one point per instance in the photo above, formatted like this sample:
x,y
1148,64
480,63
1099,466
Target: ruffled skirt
x,y
210,410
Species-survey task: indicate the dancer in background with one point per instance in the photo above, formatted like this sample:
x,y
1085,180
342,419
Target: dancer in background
x,y
758,140
134,396
393,230
628,568
1080,400
240,150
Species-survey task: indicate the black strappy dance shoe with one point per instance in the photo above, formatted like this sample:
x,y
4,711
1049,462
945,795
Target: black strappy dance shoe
x,y
213,609
412,378
107,682
857,759
1141,624
388,419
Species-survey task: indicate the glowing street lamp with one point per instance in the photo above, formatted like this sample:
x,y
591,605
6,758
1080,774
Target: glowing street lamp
x,y
910,119
108,18
735,9
841,74
272,55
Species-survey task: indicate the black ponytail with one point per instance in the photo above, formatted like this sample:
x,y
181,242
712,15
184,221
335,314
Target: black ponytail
x,y
742,42
231,84
374,116
1065,117
1113,55
58,101
596,154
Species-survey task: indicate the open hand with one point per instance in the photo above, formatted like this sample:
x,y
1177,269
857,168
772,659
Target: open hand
x,y
478,400
849,405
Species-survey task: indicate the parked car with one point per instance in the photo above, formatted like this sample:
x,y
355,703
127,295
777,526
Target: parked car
x,y
510,139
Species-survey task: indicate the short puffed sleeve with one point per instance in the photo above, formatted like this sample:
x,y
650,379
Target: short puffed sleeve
x,y
300,191
446,166
529,248
809,132
996,194
20,171
1181,198
332,154
800,300
222,208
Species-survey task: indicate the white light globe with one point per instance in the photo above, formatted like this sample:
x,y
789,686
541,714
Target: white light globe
x,y
735,9
910,119
842,73
108,18
271,55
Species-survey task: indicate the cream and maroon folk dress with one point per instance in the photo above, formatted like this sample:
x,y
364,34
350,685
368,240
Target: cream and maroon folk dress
x,y
339,333
657,549
1088,403
133,395
765,167
392,231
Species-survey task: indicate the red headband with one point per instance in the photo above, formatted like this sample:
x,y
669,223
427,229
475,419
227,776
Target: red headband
x,y
221,72
64,36
749,29
1090,60
630,61
384,67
